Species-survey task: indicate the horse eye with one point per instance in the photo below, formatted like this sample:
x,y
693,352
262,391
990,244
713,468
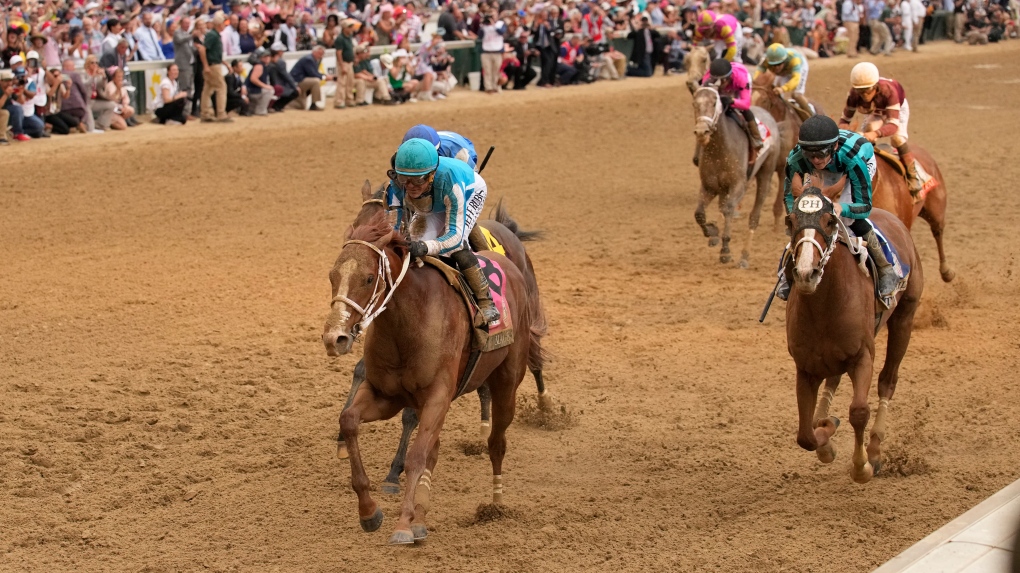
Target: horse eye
x,y
369,279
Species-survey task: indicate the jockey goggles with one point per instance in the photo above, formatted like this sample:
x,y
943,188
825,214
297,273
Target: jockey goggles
x,y
413,181
818,152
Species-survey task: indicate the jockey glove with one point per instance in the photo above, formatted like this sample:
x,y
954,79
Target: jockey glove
x,y
727,101
418,249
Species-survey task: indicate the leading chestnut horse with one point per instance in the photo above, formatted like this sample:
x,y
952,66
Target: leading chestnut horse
x,y
830,327
509,234
415,355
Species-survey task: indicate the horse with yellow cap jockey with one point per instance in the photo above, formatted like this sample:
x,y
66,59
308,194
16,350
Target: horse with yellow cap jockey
x,y
791,71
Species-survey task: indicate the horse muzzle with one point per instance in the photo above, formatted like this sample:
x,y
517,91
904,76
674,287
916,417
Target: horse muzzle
x,y
337,342
806,282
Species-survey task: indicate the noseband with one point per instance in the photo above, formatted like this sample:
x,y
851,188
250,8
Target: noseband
x,y
384,278
710,121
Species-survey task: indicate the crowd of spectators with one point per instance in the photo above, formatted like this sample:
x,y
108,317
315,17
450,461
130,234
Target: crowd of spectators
x,y
64,64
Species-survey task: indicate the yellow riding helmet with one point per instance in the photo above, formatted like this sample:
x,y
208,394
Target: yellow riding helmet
x,y
776,54
864,75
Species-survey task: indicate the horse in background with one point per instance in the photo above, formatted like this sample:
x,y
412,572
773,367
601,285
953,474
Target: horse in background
x,y
723,151
789,121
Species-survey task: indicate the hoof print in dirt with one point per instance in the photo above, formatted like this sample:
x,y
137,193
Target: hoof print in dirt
x,y
489,512
551,417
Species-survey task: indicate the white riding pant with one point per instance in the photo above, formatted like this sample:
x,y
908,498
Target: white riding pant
x,y
802,86
431,226
874,122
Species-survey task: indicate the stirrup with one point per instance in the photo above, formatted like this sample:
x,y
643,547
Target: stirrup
x,y
783,288
489,312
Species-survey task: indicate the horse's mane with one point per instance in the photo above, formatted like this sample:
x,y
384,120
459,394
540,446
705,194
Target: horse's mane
x,y
376,228
764,79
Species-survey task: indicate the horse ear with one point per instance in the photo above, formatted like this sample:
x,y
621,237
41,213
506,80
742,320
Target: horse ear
x,y
348,233
690,86
366,191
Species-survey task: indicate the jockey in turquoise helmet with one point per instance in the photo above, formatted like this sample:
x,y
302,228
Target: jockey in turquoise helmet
x,y
448,143
438,200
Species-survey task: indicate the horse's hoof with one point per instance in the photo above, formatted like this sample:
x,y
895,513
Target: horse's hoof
x,y
483,431
864,475
876,467
402,537
713,241
743,264
372,523
341,451
948,275
545,402
419,531
725,259
390,488
826,454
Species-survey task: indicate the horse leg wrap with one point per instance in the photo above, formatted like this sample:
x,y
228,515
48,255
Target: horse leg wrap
x,y
878,430
824,402
497,489
423,491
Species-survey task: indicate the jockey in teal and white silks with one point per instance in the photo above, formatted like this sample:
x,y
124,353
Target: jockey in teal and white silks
x,y
438,200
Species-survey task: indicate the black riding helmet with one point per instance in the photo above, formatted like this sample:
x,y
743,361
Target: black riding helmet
x,y
720,69
818,136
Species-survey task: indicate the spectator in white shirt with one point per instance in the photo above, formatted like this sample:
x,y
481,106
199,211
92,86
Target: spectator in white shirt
x,y
114,34
491,32
287,34
907,24
231,38
918,11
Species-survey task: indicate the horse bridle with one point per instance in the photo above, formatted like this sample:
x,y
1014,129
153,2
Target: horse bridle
x,y
718,108
375,306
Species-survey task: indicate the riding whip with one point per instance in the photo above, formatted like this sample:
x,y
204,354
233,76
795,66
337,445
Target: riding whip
x,y
768,303
486,160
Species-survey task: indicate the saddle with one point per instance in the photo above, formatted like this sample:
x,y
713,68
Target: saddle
x,y
484,338
892,157
859,249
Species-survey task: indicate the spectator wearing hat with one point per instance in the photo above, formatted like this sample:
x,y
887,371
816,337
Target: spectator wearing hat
x,y
12,110
365,78
171,101
440,62
147,40
402,84
44,43
257,84
37,74
309,79
283,84
384,28
491,32
24,96
345,57
211,55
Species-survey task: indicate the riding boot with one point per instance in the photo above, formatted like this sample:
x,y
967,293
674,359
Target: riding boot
x,y
803,108
913,179
783,288
480,286
751,127
467,262
887,279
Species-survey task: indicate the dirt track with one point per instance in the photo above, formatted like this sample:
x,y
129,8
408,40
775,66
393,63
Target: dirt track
x,y
167,404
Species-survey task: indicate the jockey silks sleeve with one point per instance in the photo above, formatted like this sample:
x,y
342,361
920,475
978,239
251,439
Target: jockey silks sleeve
x,y
889,97
851,159
457,146
794,69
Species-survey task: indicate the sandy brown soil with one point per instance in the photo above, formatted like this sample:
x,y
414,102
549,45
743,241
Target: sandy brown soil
x,y
167,404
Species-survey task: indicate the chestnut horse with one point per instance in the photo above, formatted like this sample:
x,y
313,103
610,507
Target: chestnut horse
x,y
415,356
830,327
511,237
789,123
892,194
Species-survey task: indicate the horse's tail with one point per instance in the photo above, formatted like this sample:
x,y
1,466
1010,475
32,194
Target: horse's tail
x,y
503,217
537,355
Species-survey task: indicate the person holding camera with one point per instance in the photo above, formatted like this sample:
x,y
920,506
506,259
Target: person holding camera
x,y
9,91
23,97
491,32
60,121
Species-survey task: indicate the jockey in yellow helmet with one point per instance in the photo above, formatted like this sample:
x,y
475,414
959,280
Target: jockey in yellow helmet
x,y
791,70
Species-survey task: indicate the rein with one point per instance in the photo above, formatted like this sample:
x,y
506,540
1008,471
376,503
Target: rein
x,y
718,108
825,253
377,303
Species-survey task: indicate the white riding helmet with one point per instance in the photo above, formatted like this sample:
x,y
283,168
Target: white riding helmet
x,y
864,75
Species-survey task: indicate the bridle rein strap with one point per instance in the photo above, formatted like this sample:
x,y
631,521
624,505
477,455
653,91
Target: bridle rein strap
x,y
718,107
823,252
384,278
